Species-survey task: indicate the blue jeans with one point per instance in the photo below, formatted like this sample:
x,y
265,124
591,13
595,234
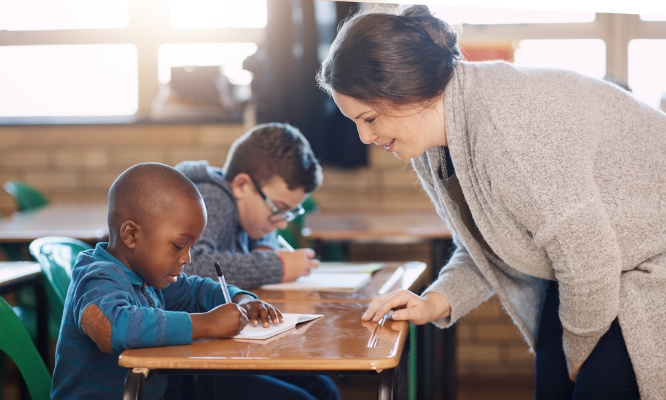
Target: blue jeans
x,y
606,374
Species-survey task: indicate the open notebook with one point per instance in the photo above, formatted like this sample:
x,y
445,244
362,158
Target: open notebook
x,y
331,277
324,281
290,321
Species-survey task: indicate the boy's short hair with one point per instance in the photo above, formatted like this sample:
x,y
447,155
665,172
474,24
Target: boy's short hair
x,y
275,149
145,190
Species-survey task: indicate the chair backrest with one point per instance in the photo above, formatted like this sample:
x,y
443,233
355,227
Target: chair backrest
x,y
15,341
57,255
26,197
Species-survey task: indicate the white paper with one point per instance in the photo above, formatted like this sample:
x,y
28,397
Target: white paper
x,y
290,321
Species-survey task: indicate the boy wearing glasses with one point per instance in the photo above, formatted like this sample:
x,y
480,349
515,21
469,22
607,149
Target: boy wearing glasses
x,y
268,173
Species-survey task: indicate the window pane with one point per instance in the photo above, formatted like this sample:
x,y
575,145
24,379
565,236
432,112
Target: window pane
x,y
208,14
475,15
587,56
229,56
70,80
647,70
28,15
653,17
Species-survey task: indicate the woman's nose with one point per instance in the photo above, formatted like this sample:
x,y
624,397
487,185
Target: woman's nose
x,y
366,134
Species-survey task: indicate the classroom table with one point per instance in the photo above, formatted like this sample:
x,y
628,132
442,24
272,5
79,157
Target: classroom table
x,y
339,343
392,275
398,226
85,221
17,274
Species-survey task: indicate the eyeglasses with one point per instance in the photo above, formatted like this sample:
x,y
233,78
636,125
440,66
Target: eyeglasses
x,y
278,215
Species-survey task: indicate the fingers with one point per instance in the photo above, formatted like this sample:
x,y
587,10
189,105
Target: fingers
x,y
264,313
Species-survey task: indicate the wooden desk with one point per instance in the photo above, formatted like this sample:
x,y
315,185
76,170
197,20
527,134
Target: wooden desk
x,y
83,221
400,227
407,275
384,226
17,274
338,343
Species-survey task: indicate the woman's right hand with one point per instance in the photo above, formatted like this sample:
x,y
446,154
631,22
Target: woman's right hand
x,y
408,306
224,321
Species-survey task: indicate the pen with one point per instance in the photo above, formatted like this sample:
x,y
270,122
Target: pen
x,y
223,283
385,317
283,242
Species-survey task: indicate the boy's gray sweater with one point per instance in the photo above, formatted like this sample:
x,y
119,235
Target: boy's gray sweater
x,y
224,240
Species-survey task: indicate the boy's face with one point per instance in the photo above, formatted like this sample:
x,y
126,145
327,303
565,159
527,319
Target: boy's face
x,y
163,248
253,211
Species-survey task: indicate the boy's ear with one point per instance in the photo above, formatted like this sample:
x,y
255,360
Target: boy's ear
x,y
128,233
241,185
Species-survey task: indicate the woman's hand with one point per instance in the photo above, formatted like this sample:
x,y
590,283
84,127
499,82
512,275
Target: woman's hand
x,y
258,310
408,306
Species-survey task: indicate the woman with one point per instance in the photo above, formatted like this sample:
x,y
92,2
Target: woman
x,y
553,184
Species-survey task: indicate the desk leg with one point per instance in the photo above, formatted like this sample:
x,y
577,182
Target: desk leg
x,y
386,380
442,341
42,316
134,381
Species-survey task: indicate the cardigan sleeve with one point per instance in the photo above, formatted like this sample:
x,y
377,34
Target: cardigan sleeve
x,y
461,282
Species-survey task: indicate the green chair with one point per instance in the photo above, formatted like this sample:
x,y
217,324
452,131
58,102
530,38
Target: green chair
x,y
17,344
26,197
57,255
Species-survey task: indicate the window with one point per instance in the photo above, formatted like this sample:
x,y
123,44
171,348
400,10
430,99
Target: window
x,y
587,56
68,80
32,15
647,70
112,57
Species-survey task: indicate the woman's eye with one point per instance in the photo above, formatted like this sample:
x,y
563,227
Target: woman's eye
x,y
179,247
369,120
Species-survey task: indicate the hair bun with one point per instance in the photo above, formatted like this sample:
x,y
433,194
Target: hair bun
x,y
438,30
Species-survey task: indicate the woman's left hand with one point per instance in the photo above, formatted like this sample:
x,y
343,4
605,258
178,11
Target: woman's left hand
x,y
574,368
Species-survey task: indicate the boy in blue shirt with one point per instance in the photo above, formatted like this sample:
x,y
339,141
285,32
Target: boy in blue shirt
x,y
131,292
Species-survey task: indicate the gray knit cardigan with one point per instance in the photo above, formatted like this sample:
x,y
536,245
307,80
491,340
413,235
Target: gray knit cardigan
x,y
565,177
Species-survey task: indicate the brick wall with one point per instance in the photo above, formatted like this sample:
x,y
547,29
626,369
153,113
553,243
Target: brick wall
x,y
81,162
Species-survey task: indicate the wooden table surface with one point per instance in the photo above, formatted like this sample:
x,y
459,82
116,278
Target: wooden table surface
x,y
393,275
84,221
394,226
337,343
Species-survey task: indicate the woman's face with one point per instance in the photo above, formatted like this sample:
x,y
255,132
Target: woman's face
x,y
407,132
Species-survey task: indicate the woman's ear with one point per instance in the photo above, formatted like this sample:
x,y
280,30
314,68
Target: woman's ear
x,y
241,185
128,233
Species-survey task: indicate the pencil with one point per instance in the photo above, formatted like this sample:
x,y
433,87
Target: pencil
x,y
223,283
283,242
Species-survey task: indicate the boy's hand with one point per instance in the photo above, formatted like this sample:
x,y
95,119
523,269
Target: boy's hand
x,y
297,263
223,321
258,310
